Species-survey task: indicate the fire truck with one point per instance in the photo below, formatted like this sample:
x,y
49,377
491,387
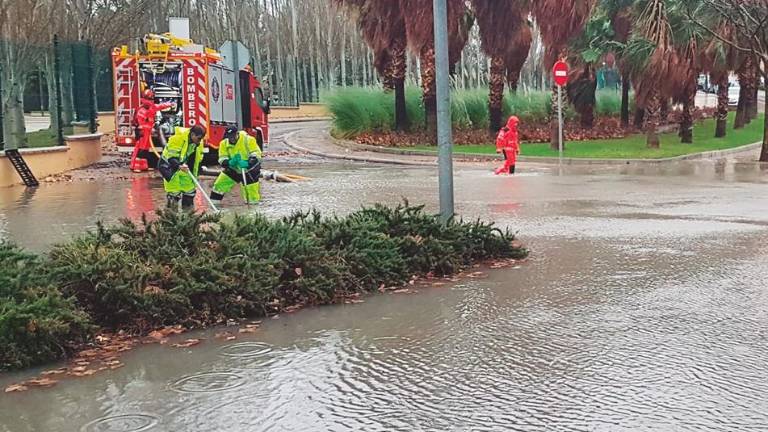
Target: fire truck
x,y
198,84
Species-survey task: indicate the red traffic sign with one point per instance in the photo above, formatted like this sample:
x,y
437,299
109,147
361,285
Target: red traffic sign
x,y
560,73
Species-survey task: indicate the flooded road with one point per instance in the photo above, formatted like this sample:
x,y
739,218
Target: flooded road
x,y
643,307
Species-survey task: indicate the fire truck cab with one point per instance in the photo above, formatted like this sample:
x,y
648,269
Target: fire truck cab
x,y
198,85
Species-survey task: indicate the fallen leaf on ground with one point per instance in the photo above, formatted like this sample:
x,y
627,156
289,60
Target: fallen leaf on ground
x,y
54,372
41,382
187,343
79,369
247,330
116,366
16,388
231,338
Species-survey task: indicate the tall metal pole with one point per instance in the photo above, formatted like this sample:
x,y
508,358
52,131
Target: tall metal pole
x,y
560,121
2,111
92,127
57,78
444,138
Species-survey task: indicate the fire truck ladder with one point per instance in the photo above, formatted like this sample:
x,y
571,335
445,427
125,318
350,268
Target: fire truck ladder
x,y
125,84
22,168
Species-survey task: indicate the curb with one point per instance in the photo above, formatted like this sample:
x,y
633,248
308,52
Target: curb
x,y
714,154
287,141
299,120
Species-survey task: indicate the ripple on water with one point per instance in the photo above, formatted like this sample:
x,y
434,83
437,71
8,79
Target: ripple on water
x,y
246,350
209,382
122,423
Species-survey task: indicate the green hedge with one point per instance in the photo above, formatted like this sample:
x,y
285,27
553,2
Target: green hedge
x,y
198,270
358,110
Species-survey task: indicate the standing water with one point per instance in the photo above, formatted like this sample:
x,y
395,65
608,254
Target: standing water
x,y
642,307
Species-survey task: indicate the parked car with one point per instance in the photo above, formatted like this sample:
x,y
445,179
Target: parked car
x,y
733,94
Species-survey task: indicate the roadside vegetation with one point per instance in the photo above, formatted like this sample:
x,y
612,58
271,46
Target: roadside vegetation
x,y
198,270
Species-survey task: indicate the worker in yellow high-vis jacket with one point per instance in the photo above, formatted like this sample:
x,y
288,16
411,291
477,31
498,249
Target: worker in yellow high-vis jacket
x,y
181,160
240,159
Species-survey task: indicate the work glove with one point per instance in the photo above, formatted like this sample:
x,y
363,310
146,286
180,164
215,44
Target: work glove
x,y
225,163
234,163
243,164
253,162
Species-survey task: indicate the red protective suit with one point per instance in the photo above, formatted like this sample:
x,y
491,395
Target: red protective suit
x,y
508,144
145,122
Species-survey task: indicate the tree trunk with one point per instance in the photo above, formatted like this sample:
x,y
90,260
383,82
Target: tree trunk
x,y
625,100
343,57
398,60
722,107
741,109
496,94
53,109
663,111
652,120
686,117
15,131
428,87
67,97
513,78
639,118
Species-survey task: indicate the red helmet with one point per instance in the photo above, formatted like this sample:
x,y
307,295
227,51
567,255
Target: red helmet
x,y
149,94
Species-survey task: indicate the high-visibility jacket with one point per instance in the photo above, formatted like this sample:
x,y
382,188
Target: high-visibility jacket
x,y
179,146
246,146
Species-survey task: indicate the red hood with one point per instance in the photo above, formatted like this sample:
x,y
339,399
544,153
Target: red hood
x,y
512,122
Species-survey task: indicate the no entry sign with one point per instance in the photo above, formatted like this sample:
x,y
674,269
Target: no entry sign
x,y
560,73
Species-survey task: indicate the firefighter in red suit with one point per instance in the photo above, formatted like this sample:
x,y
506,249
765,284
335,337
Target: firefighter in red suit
x,y
145,123
508,144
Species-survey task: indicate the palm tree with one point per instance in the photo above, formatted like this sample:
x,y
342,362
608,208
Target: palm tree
x,y
747,74
506,38
688,42
383,29
419,26
559,22
653,60
718,58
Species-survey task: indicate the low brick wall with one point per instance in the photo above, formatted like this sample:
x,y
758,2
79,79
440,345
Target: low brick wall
x,y
79,151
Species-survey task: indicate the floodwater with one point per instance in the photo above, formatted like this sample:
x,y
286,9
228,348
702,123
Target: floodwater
x,y
643,307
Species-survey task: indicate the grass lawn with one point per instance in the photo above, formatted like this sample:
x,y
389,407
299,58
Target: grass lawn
x,y
633,147
44,138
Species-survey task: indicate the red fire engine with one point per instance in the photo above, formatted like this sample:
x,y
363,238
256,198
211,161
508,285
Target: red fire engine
x,y
198,85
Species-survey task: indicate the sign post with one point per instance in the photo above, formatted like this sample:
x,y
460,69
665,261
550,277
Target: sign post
x,y
560,74
236,56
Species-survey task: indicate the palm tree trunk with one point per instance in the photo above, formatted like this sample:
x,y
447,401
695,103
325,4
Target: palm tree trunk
x,y
686,119
664,111
639,118
496,94
513,78
625,100
751,91
652,120
722,107
745,73
398,62
428,86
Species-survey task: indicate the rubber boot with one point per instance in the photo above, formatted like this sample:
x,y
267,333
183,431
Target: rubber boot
x,y
511,169
188,202
172,202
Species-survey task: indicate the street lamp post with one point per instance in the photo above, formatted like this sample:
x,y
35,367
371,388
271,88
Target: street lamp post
x,y
444,138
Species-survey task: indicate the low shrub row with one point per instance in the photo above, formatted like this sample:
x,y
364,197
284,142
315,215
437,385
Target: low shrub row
x,y
198,270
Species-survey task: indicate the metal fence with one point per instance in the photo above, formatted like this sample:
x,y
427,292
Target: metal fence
x,y
66,81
